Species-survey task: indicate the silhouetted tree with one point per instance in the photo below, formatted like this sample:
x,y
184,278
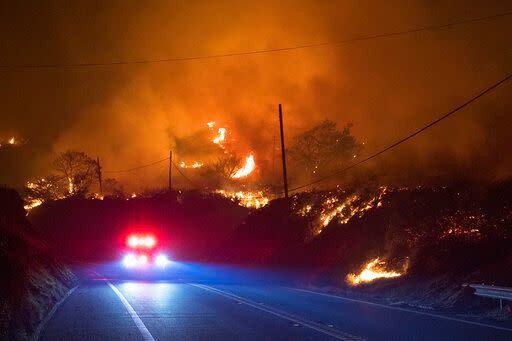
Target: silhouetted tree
x,y
112,188
77,169
324,148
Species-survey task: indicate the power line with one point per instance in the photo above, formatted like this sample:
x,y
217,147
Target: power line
x,y
152,164
402,140
193,183
262,51
136,168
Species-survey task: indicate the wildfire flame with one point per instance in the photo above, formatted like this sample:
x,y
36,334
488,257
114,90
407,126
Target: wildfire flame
x,y
211,124
373,270
344,210
41,185
348,208
247,169
221,137
12,140
31,204
71,186
194,165
247,199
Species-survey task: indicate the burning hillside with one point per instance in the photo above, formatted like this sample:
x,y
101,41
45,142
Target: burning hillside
x,y
246,199
226,158
405,236
338,206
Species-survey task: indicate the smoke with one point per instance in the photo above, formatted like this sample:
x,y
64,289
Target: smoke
x,y
128,115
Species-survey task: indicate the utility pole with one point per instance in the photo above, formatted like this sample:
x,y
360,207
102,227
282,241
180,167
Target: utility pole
x,y
170,170
98,170
283,154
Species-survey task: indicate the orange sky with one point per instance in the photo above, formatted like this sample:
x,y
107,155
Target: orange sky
x,y
131,114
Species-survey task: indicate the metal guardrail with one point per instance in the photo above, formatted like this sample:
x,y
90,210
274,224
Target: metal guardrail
x,y
501,293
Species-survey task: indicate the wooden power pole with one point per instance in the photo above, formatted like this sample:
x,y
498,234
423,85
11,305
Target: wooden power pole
x,y
170,170
283,153
98,170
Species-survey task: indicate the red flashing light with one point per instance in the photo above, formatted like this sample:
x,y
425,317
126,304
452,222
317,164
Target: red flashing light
x,y
149,242
135,241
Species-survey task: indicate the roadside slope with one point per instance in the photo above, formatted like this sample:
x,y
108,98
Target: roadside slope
x,y
32,281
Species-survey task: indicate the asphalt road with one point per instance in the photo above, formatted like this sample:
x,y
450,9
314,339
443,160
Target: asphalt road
x,y
172,310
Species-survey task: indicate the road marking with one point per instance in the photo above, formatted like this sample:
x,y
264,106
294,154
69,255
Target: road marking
x,y
138,322
404,309
42,325
294,319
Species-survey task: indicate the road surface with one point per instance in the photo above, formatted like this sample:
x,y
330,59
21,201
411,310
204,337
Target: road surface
x,y
173,310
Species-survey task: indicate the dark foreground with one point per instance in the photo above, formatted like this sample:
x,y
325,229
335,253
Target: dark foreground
x,y
115,309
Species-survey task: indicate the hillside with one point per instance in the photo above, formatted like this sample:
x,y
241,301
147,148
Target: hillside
x,y
32,280
428,241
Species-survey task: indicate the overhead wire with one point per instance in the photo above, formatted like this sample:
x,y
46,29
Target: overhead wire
x,y
184,176
410,136
260,51
136,168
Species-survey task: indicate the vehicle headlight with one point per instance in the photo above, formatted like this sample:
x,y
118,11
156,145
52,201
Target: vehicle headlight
x,y
129,261
143,259
162,260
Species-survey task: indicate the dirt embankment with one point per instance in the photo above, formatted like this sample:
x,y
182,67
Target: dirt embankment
x,y
32,281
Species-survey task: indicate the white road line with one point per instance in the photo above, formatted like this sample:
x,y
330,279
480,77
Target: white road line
x,y
404,309
138,322
310,324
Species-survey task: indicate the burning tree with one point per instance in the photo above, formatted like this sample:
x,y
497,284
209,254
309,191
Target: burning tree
x,y
324,148
226,166
77,169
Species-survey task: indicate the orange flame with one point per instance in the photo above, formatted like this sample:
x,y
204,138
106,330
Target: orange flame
x,y
373,270
31,204
247,169
221,137
71,186
247,199
194,165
